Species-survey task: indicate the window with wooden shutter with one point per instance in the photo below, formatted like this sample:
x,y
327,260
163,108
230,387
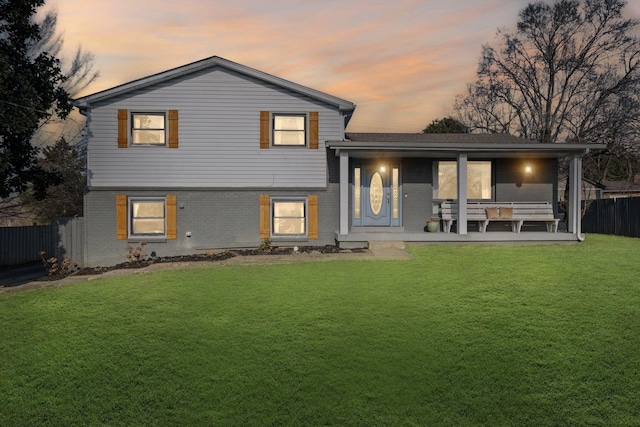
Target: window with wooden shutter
x,y
173,129
312,216
264,129
314,135
121,217
265,223
172,223
123,128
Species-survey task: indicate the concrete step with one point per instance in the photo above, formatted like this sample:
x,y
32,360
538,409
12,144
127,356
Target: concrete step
x,y
389,249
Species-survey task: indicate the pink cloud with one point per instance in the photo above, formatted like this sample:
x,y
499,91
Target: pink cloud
x,y
402,62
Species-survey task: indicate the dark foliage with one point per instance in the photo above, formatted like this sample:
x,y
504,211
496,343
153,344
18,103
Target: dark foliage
x,y
65,198
446,125
31,89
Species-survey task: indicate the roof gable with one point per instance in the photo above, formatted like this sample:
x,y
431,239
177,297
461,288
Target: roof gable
x,y
85,102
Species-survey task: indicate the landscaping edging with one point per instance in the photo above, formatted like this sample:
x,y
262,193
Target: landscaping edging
x,y
241,256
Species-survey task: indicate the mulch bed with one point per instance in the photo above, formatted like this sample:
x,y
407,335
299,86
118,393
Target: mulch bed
x,y
219,256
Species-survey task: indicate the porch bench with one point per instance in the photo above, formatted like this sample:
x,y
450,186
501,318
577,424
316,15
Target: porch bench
x,y
515,212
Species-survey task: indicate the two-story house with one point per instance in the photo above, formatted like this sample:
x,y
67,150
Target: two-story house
x,y
215,154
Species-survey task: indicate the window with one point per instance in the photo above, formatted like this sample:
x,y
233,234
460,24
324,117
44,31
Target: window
x,y
144,217
289,217
289,129
356,193
147,217
148,128
478,180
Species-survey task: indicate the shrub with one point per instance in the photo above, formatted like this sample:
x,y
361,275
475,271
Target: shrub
x,y
58,268
265,245
136,254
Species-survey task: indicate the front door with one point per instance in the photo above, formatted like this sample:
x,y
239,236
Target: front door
x,y
376,197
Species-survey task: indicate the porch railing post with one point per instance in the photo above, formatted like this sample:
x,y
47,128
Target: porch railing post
x,y
462,193
575,179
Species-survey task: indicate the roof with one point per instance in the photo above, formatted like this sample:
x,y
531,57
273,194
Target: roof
x,y
444,138
563,178
85,102
449,144
621,186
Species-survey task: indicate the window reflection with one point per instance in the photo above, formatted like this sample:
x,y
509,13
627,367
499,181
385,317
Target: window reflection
x,y
478,180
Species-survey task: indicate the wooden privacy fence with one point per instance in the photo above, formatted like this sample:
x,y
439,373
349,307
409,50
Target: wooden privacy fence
x,y
620,217
62,239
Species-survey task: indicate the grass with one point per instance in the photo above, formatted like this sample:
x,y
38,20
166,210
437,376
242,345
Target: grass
x,y
460,335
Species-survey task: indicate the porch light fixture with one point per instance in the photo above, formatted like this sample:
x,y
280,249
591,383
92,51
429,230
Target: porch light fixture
x,y
528,170
383,169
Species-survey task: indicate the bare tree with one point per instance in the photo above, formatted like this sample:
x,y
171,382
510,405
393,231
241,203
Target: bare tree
x,y
569,72
78,72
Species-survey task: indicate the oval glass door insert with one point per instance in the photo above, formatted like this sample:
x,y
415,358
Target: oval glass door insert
x,y
376,193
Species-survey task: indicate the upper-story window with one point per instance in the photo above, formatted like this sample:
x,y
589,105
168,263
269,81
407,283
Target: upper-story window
x,y
289,129
148,128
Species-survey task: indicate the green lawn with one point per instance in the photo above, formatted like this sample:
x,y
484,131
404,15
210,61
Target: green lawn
x,y
460,335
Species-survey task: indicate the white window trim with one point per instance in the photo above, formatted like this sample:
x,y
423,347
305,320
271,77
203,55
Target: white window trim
x,y
275,200
130,202
305,116
149,113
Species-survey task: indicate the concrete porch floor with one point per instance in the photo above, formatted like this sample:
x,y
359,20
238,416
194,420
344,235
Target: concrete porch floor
x,y
360,239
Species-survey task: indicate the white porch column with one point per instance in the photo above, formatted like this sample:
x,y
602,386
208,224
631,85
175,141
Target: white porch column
x,y
462,193
574,215
344,193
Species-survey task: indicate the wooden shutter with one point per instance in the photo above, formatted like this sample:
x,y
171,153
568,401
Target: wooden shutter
x,y
312,216
123,128
314,135
264,129
173,129
172,226
121,217
265,223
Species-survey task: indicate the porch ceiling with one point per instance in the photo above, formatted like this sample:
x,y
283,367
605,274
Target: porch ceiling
x,y
367,145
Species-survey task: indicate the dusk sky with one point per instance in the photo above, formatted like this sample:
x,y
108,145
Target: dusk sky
x,y
401,62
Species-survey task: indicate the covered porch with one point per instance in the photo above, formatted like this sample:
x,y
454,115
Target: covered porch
x,y
392,184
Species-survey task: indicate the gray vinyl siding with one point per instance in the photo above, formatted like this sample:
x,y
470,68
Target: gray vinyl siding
x,y
219,130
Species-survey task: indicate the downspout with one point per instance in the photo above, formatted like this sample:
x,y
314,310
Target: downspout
x,y
86,112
